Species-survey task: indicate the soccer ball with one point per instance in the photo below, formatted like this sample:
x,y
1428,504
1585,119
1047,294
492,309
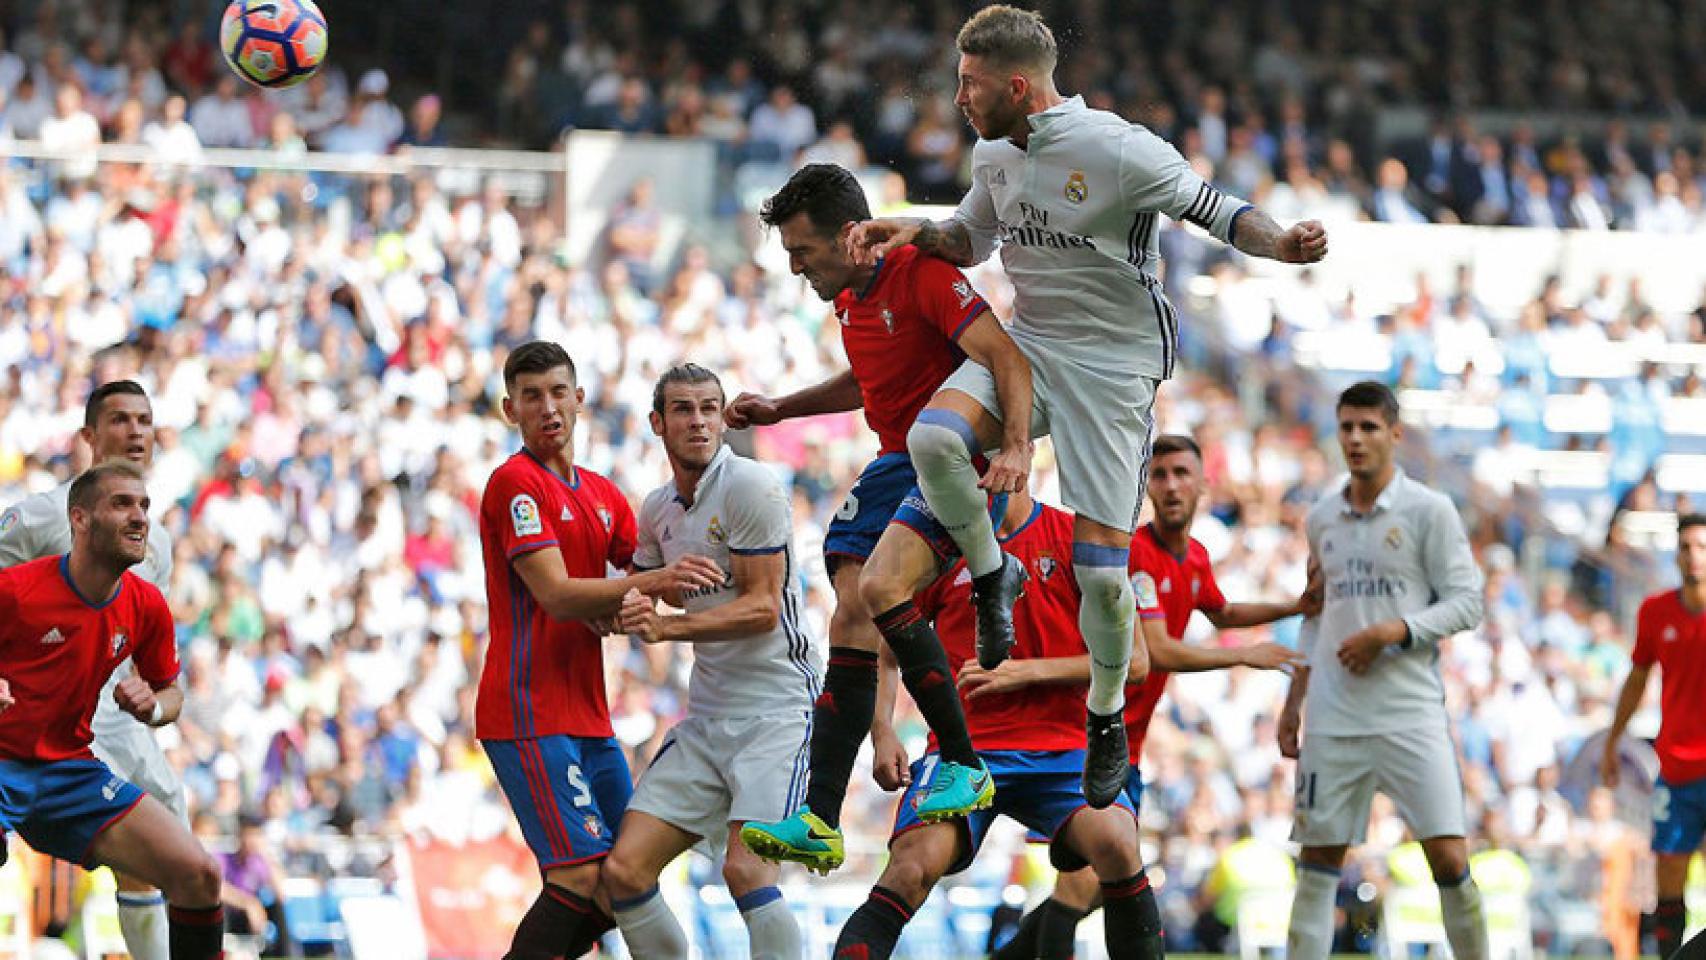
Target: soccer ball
x,y
273,43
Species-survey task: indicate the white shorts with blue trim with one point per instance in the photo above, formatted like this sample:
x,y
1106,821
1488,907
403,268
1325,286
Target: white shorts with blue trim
x,y
713,770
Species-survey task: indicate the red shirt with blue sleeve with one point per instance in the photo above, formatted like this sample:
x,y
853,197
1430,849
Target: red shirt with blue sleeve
x,y
543,676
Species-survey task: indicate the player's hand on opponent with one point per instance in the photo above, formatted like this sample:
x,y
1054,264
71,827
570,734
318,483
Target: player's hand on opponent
x,y
639,618
1008,470
871,240
1314,594
975,681
135,697
6,700
1271,656
690,573
751,410
1305,242
1360,649
1290,725
1610,772
889,766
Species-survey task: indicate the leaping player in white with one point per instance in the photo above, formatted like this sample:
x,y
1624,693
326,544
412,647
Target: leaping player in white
x,y
118,424
1074,197
742,752
1398,577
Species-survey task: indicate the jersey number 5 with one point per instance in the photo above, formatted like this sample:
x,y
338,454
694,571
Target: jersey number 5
x,y
583,796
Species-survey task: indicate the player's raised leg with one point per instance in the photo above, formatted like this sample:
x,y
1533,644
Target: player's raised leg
x,y
150,843
771,929
903,564
917,860
1107,616
949,435
644,846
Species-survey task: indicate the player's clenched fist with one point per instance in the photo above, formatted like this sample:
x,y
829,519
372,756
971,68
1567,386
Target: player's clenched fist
x,y
639,618
751,410
1305,242
135,697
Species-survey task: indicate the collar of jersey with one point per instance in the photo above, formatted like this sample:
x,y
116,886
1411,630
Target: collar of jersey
x,y
1036,511
574,484
872,283
1155,538
1041,121
65,572
717,460
1382,502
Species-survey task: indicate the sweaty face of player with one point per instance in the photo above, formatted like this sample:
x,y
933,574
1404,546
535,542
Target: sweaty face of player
x,y
818,256
543,406
1175,486
988,98
123,430
1367,440
1691,555
118,523
691,424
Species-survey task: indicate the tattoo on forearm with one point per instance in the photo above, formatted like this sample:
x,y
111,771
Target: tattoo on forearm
x,y
1257,234
952,243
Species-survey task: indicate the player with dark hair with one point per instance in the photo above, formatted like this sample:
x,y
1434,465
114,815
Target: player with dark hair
x,y
67,623
1398,576
1073,196
1670,632
1172,577
118,424
907,321
549,532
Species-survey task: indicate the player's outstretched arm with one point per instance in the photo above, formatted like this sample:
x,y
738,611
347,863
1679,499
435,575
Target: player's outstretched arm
x,y
838,394
871,240
986,342
1628,701
753,613
1256,234
591,598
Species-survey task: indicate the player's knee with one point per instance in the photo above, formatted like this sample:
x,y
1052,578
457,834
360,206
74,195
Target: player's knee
x,y
1117,857
937,441
1104,586
623,877
1449,866
746,874
197,885
910,878
850,626
881,591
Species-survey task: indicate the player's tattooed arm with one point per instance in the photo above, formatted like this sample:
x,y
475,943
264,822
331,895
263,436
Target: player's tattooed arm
x,y
1256,234
948,239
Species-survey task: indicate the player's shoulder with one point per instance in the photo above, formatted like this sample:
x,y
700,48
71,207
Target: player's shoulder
x,y
520,470
143,594
742,471
1665,603
595,483
1418,498
999,151
38,508
1196,555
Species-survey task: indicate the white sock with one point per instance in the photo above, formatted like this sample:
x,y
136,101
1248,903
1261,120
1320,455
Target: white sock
x,y
142,920
1107,614
650,928
1311,933
941,445
1465,926
770,925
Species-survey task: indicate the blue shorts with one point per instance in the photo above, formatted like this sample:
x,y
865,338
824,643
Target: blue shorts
x,y
569,793
1679,816
1133,793
60,807
1042,789
887,492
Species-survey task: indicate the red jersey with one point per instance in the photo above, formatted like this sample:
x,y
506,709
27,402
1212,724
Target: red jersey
x,y
901,336
58,649
545,676
1045,625
1168,587
1669,634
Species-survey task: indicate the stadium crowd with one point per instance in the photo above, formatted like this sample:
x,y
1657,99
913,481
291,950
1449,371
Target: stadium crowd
x,y
1283,108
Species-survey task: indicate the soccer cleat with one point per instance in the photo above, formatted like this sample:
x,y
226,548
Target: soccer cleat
x,y
802,838
995,594
1107,763
955,791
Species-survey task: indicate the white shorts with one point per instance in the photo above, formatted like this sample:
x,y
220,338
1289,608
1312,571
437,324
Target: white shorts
x,y
1100,423
1337,777
713,770
135,756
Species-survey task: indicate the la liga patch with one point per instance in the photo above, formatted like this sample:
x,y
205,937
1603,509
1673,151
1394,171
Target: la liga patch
x,y
524,516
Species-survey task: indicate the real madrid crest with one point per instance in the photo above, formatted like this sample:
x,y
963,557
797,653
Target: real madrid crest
x,y
1394,538
1076,189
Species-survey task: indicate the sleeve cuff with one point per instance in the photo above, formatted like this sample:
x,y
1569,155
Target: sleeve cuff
x,y
757,551
529,547
1409,640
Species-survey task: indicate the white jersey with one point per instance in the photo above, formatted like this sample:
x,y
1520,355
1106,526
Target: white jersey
x,y
1409,559
38,526
738,508
1076,213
